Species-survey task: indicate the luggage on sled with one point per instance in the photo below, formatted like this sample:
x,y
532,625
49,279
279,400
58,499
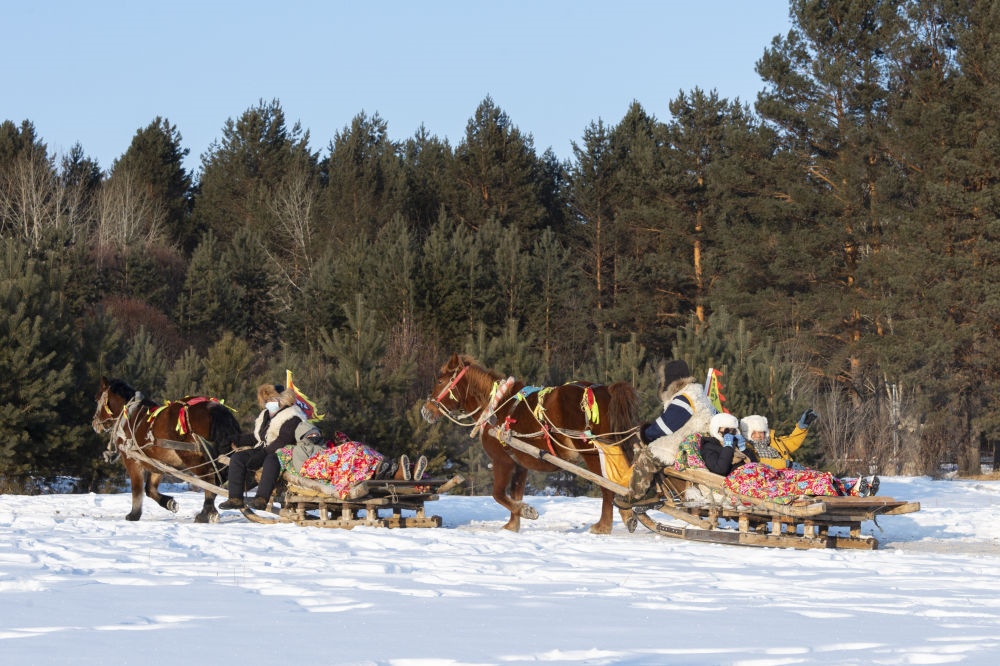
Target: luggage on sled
x,y
696,505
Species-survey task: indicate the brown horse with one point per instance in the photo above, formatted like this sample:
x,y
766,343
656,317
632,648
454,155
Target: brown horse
x,y
140,425
565,421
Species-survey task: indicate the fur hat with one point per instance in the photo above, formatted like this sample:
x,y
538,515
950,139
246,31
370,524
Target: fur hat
x,y
675,370
752,424
722,421
274,393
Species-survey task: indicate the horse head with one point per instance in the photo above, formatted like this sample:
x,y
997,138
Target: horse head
x,y
461,388
106,413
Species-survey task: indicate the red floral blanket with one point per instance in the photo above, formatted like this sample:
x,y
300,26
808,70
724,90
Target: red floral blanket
x,y
763,482
343,464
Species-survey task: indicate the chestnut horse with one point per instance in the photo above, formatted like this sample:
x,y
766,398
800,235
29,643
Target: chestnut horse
x,y
207,427
564,420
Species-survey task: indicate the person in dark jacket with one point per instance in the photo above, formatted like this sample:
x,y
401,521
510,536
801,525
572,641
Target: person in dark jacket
x,y
274,429
724,448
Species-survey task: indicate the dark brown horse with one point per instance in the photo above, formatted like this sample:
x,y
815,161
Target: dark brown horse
x,y
188,435
564,420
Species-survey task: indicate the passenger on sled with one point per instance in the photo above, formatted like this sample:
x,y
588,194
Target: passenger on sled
x,y
274,429
283,428
771,449
724,451
686,410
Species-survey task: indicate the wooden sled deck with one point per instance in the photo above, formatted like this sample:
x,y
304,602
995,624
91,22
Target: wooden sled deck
x,y
694,504
702,509
370,503
313,503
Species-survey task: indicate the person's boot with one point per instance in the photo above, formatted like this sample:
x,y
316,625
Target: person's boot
x,y
644,468
232,503
259,503
404,468
420,468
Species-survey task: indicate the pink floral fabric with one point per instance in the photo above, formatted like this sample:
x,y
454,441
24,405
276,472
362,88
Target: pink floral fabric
x,y
343,464
761,481
783,485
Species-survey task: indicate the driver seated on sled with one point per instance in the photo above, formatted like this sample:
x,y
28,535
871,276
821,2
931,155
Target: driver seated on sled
x,y
771,449
686,410
276,425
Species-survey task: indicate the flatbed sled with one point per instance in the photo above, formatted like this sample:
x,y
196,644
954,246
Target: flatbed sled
x,y
694,504
371,503
313,503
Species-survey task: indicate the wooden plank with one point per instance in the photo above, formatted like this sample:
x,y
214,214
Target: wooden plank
x,y
573,468
188,478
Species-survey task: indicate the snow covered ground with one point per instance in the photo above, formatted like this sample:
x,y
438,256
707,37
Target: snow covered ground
x,y
80,585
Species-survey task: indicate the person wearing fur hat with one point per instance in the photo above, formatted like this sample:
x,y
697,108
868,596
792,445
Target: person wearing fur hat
x,y
686,410
274,428
725,449
771,449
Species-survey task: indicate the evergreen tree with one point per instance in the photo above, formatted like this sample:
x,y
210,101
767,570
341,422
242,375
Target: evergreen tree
x,y
39,350
827,95
499,175
207,302
364,397
427,165
239,174
155,162
365,181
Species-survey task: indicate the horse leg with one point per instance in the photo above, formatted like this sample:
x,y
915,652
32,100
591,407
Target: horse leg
x,y
153,492
502,471
603,526
136,478
209,514
518,480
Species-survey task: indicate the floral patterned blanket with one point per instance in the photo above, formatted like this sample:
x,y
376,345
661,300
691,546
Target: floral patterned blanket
x,y
758,480
343,463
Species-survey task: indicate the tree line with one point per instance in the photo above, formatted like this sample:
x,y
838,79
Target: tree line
x,y
833,246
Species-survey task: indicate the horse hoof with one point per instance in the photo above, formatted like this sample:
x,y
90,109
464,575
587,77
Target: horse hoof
x,y
213,517
171,505
133,516
528,511
600,529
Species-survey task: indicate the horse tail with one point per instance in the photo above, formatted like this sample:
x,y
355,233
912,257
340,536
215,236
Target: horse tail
x,y
224,428
622,417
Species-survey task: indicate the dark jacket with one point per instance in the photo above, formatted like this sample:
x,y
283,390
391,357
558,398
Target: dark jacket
x,y
718,458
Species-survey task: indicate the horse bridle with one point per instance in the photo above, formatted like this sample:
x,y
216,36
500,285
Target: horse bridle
x,y
449,390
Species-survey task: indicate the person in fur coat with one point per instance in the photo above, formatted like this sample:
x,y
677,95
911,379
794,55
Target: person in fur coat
x,y
686,410
274,429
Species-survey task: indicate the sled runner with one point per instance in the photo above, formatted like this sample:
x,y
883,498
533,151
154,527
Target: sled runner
x,y
694,504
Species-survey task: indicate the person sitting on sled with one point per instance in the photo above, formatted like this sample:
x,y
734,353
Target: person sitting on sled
x,y
686,410
724,451
771,449
280,424
276,425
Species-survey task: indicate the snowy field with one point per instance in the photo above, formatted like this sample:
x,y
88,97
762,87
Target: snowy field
x,y
80,585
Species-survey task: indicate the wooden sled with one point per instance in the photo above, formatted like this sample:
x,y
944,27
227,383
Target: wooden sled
x,y
371,503
700,508
313,503
707,511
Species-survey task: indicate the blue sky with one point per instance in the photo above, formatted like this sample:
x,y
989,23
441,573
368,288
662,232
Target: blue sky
x,y
96,72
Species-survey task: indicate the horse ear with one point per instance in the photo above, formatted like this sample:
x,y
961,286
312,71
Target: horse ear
x,y
104,382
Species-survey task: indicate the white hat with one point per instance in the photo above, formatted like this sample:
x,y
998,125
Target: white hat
x,y
752,424
720,422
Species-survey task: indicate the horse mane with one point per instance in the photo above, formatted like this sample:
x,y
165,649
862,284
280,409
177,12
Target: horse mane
x,y
124,390
480,379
